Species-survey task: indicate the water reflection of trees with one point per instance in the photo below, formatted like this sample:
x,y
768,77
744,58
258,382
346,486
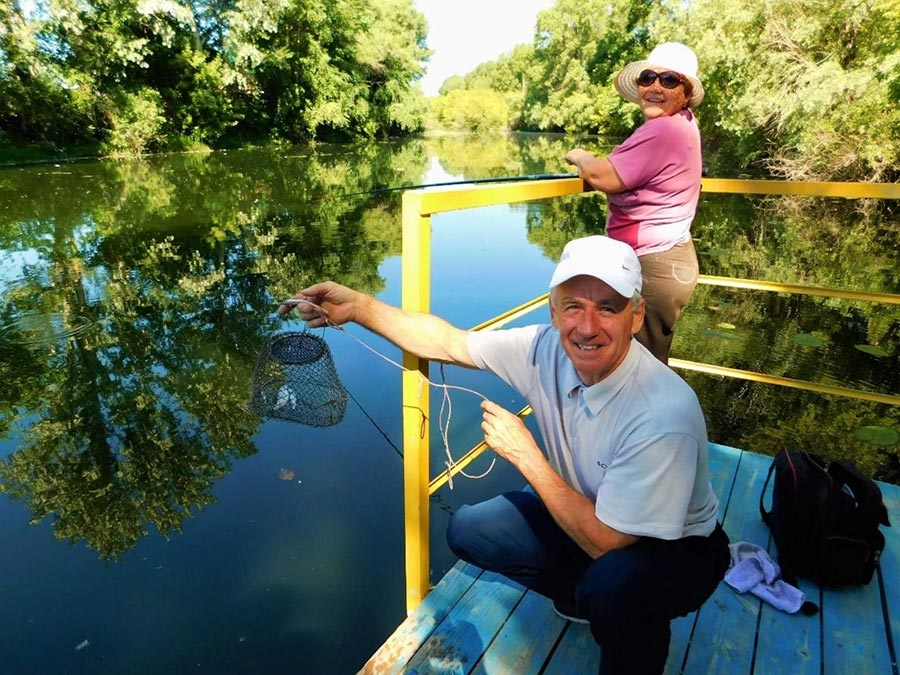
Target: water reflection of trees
x,y
175,265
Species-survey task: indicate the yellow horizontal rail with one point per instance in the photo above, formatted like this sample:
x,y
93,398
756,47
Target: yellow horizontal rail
x,y
777,287
444,477
751,376
787,187
471,196
512,314
475,196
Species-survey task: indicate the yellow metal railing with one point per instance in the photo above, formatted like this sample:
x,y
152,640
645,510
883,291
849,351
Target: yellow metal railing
x,y
420,205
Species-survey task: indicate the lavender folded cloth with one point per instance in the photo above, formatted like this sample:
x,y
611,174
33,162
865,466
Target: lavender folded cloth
x,y
753,570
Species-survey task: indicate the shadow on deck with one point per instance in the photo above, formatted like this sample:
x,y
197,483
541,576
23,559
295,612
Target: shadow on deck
x,y
479,622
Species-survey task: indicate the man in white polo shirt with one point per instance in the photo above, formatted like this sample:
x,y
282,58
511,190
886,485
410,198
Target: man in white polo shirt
x,y
618,522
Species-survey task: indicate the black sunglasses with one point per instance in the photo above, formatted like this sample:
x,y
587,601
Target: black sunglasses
x,y
668,79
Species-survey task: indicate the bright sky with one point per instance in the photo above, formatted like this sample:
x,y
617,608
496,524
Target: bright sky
x,y
464,33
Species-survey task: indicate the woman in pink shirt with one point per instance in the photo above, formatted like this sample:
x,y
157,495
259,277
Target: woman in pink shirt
x,y
653,184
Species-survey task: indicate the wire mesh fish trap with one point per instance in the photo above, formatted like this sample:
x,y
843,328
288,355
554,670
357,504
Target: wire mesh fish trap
x,y
295,380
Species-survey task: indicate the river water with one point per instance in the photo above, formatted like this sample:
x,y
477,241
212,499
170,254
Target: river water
x,y
152,524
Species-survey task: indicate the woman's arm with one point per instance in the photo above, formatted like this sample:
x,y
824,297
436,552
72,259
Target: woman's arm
x,y
596,172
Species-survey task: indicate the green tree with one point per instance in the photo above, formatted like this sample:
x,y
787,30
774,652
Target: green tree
x,y
149,75
471,110
37,102
578,48
804,90
311,67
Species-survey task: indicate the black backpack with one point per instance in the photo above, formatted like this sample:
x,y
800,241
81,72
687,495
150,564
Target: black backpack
x,y
824,520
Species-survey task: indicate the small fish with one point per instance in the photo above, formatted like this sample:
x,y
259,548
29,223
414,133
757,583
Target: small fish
x,y
285,397
286,474
81,645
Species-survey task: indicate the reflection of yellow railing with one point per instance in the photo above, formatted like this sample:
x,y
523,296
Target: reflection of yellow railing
x,y
420,205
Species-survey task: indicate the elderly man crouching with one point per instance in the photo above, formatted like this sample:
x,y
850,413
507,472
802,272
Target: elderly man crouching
x,y
618,522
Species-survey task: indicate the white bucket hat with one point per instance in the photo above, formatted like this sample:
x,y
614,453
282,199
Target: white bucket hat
x,y
672,56
609,260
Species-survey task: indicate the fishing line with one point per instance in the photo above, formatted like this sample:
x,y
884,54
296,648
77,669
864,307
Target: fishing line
x,y
473,181
436,498
446,403
374,423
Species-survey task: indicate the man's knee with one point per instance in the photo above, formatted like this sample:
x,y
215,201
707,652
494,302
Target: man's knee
x,y
495,534
477,533
460,530
614,586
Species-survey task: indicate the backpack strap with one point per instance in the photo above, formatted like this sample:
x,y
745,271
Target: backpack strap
x,y
808,608
866,492
766,515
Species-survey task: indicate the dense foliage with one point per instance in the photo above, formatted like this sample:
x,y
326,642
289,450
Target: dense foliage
x,y
166,74
797,89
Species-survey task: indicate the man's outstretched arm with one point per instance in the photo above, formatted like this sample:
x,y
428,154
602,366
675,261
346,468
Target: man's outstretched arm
x,y
424,335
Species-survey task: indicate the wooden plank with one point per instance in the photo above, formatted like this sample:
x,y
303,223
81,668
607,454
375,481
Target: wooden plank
x,y
457,644
525,640
788,643
723,467
853,631
855,636
726,625
394,654
890,561
723,464
576,654
518,631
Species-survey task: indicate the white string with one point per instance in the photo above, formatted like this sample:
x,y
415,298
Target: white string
x,y
444,428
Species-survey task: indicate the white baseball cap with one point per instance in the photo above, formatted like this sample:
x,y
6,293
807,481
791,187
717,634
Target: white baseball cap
x,y
611,261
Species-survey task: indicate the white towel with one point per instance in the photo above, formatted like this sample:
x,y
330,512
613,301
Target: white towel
x,y
753,570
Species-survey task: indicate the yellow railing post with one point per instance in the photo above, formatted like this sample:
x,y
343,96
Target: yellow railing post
x,y
415,297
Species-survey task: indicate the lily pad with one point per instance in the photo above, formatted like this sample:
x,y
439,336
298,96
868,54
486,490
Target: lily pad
x,y
873,350
718,334
808,340
877,435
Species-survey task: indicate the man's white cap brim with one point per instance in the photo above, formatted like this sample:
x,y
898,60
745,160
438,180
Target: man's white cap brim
x,y
612,262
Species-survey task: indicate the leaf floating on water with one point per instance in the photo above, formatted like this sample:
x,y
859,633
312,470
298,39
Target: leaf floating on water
x,y
877,435
873,350
726,326
285,474
808,340
718,304
81,645
718,334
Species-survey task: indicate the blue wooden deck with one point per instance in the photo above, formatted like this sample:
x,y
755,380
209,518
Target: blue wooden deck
x,y
479,622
